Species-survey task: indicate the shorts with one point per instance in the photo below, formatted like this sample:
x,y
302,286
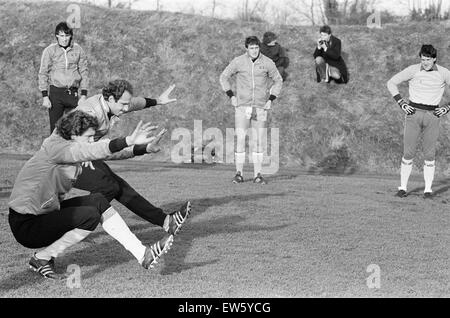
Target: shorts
x,y
249,112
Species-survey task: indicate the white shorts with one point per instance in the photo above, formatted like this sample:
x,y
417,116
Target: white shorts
x,y
248,112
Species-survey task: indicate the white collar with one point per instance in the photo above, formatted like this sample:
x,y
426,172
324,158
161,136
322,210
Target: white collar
x,y
104,105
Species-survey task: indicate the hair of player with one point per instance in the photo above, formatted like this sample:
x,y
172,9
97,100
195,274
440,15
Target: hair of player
x,y
428,50
116,89
75,123
64,28
252,40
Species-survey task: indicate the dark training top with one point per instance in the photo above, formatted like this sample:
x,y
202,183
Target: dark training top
x,y
276,53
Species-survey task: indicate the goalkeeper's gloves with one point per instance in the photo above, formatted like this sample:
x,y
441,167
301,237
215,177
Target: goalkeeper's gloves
x,y
441,111
407,109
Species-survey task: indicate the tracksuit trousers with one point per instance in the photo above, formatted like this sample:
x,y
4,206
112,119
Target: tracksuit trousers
x,y
103,180
37,231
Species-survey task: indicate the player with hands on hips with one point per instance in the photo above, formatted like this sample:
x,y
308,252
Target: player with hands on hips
x,y
427,81
258,84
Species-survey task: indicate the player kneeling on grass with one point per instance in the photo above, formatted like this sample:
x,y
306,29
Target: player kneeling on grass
x,y
258,83
427,81
39,216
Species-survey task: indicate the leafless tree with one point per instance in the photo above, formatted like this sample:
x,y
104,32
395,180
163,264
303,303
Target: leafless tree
x,y
429,11
346,11
215,4
249,13
281,14
213,9
306,9
310,10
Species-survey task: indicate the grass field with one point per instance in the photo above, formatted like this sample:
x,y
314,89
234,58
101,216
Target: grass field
x,y
302,235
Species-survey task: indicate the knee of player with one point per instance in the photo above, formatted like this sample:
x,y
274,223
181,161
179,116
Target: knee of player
x,y
335,75
319,60
89,218
100,202
111,191
430,163
407,160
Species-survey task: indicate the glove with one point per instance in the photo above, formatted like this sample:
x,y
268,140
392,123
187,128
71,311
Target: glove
x,y
441,111
234,101
407,109
46,102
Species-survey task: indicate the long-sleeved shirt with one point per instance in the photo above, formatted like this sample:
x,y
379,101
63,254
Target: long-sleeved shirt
x,y
44,179
252,80
425,87
97,107
63,67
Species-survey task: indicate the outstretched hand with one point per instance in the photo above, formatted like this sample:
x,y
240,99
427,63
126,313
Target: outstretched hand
x,y
140,135
153,147
164,99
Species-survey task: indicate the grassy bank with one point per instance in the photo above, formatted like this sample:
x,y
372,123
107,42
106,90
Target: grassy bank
x,y
355,126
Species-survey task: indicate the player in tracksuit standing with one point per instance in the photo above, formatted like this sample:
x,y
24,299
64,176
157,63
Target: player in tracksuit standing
x,y
116,99
63,71
41,217
427,82
254,96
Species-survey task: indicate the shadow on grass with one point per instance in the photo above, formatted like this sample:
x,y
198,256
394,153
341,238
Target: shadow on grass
x,y
442,187
94,254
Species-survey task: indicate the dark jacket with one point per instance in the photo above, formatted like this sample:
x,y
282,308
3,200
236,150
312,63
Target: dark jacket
x,y
333,57
277,53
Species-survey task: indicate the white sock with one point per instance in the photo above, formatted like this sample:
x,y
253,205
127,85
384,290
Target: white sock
x,y
428,174
67,240
166,223
115,226
405,172
240,160
257,162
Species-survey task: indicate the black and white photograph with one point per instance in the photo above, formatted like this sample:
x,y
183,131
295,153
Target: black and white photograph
x,y
224,154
